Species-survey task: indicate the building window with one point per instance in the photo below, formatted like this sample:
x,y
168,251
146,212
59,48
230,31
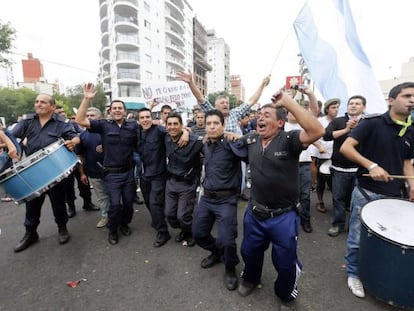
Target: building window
x,y
148,59
147,24
147,6
148,42
149,75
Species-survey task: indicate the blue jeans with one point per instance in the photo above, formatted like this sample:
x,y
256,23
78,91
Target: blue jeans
x,y
357,202
342,185
305,183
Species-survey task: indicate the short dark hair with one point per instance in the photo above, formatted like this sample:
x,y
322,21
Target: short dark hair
x,y
281,112
174,115
215,112
364,100
116,101
398,88
163,107
142,110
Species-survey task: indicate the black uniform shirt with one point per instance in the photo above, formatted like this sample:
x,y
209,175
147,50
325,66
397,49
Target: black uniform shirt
x,y
184,160
222,164
274,170
39,137
379,142
118,142
151,148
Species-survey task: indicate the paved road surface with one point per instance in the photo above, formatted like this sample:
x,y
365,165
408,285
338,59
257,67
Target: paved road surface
x,y
135,276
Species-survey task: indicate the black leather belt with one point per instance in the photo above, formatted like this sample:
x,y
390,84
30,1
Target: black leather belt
x,y
263,212
176,177
220,194
117,169
304,163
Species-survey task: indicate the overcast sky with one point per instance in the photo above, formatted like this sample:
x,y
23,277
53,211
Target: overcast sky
x,y
260,36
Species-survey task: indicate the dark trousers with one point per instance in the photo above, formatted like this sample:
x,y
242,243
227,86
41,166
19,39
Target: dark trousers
x,y
282,232
224,213
322,179
305,183
84,190
121,192
57,200
342,185
153,192
179,203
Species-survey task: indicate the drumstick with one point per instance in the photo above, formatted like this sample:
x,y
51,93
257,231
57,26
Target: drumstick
x,y
394,176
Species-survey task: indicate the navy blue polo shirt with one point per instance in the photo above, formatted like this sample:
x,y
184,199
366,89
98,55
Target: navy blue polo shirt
x,y
39,136
275,169
379,142
222,164
87,148
118,141
151,148
182,159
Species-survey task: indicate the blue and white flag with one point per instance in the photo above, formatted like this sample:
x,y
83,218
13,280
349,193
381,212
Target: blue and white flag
x,y
331,49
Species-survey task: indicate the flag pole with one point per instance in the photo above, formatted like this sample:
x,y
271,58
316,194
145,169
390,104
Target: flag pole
x,y
284,41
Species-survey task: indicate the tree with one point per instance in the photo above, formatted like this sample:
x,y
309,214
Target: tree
x,y
7,35
75,94
15,103
232,99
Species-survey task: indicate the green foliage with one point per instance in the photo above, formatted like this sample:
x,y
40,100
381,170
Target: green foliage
x,y
17,102
7,35
14,103
232,99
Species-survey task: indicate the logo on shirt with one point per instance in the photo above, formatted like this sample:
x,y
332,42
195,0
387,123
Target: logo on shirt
x,y
279,154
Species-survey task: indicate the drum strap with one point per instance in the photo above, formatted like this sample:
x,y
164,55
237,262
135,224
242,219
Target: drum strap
x,y
364,193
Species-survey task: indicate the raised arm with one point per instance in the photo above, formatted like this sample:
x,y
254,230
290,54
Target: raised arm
x,y
312,130
88,94
188,78
256,96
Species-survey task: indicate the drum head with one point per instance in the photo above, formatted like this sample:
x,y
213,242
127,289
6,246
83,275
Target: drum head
x,y
391,219
325,167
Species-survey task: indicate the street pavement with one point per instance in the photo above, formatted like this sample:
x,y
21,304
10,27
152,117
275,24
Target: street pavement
x,y
134,275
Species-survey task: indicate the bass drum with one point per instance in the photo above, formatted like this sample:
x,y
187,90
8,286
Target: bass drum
x,y
387,251
37,173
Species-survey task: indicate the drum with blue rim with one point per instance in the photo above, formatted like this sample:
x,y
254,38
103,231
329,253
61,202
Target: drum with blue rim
x,y
37,173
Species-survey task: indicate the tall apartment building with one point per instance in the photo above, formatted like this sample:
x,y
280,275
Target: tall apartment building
x,y
201,66
218,56
143,42
237,88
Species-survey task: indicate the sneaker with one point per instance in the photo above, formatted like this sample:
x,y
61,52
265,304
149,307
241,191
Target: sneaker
x,y
320,206
335,231
102,223
356,287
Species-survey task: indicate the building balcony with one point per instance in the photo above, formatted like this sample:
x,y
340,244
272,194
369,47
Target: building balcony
x,y
175,35
126,5
126,23
175,49
129,77
104,24
103,9
175,7
105,39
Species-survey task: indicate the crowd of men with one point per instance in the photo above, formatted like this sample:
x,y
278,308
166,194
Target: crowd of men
x,y
285,146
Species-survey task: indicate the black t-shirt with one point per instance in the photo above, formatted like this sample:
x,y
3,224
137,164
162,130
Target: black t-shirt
x,y
379,142
274,170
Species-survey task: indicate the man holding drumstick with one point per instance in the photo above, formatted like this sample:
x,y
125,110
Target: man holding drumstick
x,y
41,129
382,145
